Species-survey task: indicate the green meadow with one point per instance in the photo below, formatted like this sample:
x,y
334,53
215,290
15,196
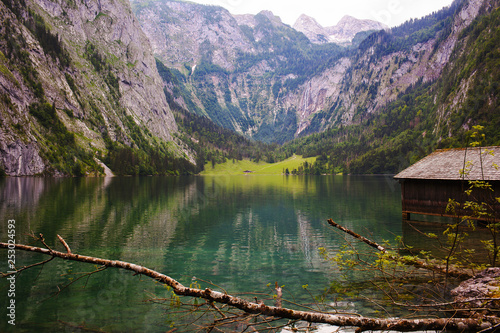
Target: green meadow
x,y
235,167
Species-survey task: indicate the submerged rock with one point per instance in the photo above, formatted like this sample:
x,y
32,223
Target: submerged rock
x,y
479,290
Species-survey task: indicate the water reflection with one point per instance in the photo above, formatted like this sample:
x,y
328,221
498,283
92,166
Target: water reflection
x,y
470,248
240,232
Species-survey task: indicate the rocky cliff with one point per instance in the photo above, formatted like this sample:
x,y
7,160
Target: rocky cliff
x,y
91,64
387,73
184,33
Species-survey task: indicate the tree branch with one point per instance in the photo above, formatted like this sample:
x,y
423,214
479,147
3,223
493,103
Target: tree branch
x,y
26,267
363,323
461,273
64,244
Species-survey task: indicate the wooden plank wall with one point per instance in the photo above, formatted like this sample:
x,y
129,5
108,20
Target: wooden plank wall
x,y
430,197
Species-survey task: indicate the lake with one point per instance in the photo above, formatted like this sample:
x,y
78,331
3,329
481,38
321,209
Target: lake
x,y
242,233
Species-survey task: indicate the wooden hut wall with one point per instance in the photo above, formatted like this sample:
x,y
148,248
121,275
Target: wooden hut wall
x,y
430,197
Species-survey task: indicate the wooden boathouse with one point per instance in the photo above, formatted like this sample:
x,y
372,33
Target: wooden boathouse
x,y
427,185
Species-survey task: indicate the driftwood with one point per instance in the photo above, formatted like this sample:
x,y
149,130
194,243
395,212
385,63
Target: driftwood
x,y
362,323
460,273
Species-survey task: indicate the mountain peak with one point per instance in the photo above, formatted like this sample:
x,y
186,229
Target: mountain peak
x,y
270,15
347,18
311,28
305,20
342,33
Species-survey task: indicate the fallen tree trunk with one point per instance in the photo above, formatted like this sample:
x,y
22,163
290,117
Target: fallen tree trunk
x,y
461,273
362,323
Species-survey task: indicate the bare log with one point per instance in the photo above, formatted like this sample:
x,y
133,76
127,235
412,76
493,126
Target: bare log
x,y
362,323
461,273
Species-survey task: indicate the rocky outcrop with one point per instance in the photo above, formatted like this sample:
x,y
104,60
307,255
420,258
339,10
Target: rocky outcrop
x,y
479,292
349,26
21,159
343,33
315,94
113,29
312,29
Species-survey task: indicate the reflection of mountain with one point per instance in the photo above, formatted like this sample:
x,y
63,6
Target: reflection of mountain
x,y
20,192
98,212
131,219
310,240
252,228
148,212
240,232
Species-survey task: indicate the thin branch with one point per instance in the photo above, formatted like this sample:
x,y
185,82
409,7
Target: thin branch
x,y
88,274
41,239
490,329
410,261
363,323
64,243
440,305
217,309
17,271
355,235
279,295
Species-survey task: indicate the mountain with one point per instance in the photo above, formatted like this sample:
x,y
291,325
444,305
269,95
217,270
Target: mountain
x,y
236,70
78,80
266,80
385,91
453,92
90,86
312,29
343,33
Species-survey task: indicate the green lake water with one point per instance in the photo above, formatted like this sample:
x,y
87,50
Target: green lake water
x,y
239,232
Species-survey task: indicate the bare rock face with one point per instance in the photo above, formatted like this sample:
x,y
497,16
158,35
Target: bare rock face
x,y
349,26
312,97
112,27
21,159
342,33
186,33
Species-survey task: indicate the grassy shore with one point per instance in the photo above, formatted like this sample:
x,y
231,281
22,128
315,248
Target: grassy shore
x,y
261,168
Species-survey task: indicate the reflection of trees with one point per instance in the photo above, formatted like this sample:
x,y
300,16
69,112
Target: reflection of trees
x,y
127,214
241,232
110,211
247,230
115,217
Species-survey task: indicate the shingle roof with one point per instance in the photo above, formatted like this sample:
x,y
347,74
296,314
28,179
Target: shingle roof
x,y
447,164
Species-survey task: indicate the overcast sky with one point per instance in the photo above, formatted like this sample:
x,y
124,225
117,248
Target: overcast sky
x,y
329,12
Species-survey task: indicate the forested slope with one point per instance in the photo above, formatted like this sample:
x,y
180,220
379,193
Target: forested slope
x,y
427,115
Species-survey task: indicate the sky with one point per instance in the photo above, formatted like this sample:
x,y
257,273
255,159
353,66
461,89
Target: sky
x,y
329,12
